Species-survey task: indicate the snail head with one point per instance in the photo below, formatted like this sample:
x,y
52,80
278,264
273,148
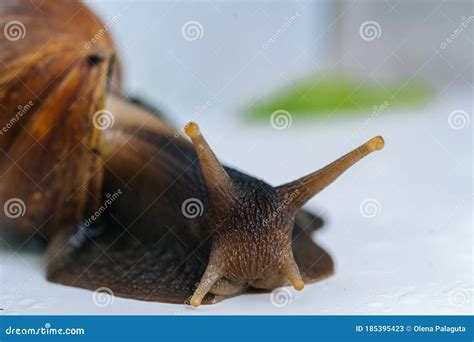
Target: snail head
x,y
252,221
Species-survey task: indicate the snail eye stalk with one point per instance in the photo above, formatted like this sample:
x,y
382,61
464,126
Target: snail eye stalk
x,y
304,188
218,183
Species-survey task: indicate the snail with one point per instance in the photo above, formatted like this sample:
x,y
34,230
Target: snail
x,y
124,200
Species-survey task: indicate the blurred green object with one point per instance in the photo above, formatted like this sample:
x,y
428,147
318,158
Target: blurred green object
x,y
336,96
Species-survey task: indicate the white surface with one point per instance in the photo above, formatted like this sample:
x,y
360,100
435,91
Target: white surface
x,y
414,257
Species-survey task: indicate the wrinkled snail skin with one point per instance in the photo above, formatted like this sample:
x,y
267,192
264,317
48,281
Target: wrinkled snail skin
x,y
176,225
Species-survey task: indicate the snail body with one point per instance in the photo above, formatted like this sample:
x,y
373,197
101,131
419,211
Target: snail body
x,y
127,202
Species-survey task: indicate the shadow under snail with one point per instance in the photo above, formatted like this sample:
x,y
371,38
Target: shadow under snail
x,y
109,200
